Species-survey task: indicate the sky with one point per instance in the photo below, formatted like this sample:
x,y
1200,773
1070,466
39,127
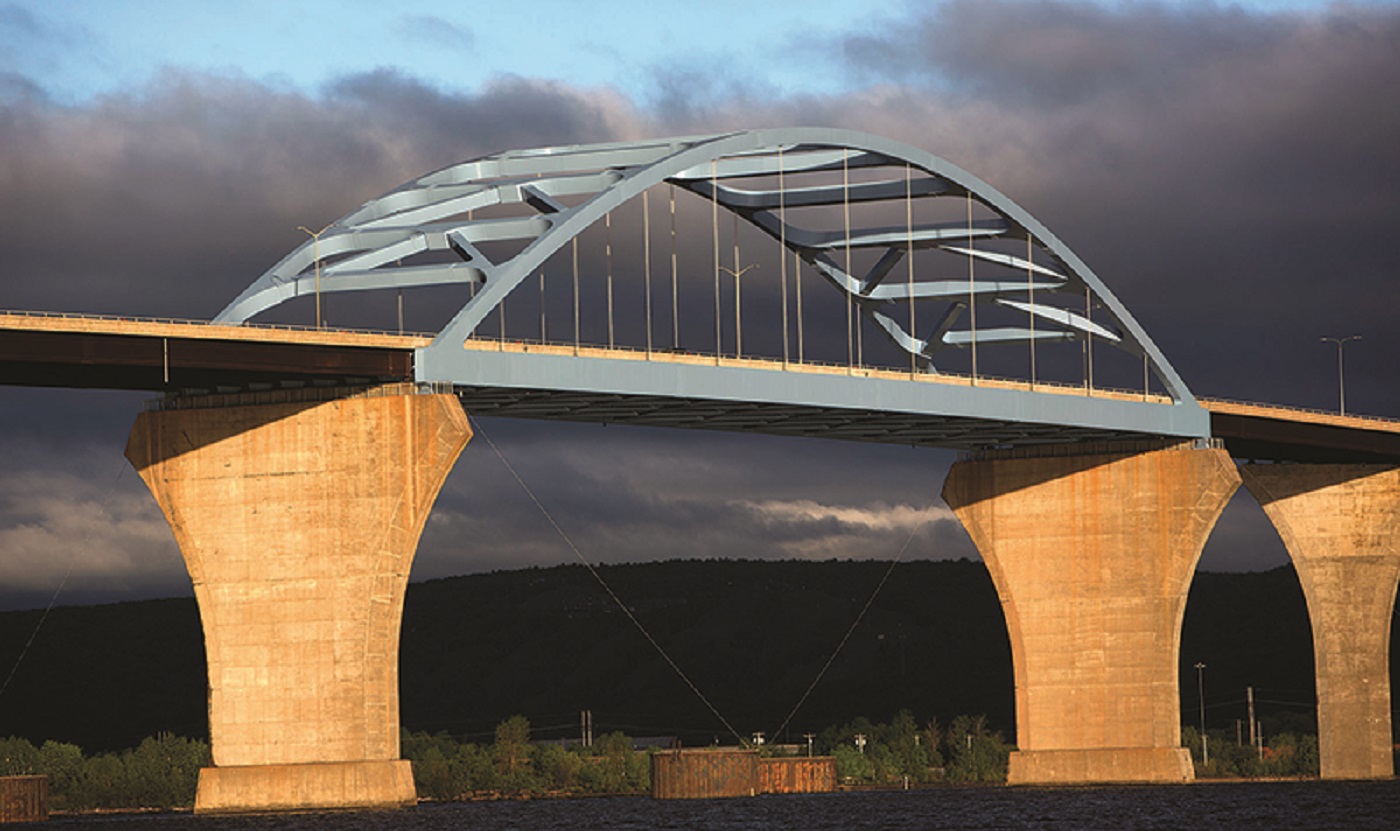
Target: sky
x,y
1228,170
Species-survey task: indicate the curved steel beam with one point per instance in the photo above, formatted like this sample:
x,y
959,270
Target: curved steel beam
x,y
427,215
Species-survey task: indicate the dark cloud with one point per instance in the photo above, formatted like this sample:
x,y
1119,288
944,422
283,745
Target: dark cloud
x,y
1221,170
1228,174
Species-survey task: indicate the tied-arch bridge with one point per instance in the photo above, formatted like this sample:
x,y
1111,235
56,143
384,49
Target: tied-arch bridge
x,y
892,297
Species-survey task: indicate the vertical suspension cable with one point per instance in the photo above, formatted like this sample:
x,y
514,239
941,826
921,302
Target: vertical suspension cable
x,y
714,224
971,288
909,252
675,285
501,313
782,251
574,245
797,286
1088,341
846,221
646,260
607,257
738,318
542,331
1030,290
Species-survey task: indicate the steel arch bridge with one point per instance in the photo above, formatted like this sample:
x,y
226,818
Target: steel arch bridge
x,y
840,204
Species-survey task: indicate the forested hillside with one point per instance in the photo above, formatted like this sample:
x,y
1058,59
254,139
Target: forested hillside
x,y
548,643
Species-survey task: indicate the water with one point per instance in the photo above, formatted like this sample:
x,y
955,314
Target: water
x,y
1254,806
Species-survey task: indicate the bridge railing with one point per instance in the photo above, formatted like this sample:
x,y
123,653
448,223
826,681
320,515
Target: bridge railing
x,y
185,321
587,349
1332,415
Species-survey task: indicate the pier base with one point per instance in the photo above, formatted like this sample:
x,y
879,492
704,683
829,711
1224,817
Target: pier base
x,y
1092,556
379,784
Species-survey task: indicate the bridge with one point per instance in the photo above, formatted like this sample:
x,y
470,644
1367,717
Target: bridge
x,y
891,297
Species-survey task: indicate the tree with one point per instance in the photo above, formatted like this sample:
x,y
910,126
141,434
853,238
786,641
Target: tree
x,y
558,768
66,768
17,757
512,752
975,754
852,766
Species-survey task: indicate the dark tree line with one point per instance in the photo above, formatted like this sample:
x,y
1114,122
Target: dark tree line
x,y
161,772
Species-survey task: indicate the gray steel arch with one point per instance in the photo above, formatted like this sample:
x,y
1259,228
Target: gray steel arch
x,y
426,215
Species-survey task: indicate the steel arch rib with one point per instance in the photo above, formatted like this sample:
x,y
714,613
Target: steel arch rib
x,y
639,166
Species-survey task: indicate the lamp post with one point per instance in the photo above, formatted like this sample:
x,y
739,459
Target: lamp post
x,y
1341,381
316,253
1201,694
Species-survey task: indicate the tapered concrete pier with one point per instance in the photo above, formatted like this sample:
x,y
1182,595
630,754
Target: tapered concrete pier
x,y
298,521
1092,556
1341,525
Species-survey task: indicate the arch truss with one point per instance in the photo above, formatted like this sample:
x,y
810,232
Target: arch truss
x,y
1030,286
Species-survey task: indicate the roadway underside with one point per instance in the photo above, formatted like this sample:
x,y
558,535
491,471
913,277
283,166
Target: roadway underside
x,y
1267,434
920,430
100,360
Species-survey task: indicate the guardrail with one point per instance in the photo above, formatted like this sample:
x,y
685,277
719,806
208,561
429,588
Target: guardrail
x,y
490,344
1292,409
181,321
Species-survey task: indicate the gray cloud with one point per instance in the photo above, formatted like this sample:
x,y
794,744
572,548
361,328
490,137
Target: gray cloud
x,y
1214,166
1228,174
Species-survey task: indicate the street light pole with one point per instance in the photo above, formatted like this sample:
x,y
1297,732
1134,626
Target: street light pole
x,y
316,253
1201,694
1341,381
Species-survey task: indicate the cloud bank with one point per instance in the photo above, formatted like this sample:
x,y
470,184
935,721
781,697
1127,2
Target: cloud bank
x,y
1230,175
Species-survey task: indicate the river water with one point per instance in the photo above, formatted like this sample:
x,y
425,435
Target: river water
x,y
1252,806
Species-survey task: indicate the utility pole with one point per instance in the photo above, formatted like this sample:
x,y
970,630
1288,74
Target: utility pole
x,y
809,737
586,727
1253,731
1201,694
1341,382
860,742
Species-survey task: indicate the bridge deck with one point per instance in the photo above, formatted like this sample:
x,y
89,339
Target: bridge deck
x,y
1292,434
105,352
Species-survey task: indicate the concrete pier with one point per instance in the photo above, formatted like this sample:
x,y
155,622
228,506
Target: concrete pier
x,y
298,521
1341,525
1092,556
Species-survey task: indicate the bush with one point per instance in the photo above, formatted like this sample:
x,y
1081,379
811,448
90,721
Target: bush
x,y
513,766
162,772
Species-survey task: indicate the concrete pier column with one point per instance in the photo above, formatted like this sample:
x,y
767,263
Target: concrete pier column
x,y
1092,556
1341,525
298,522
